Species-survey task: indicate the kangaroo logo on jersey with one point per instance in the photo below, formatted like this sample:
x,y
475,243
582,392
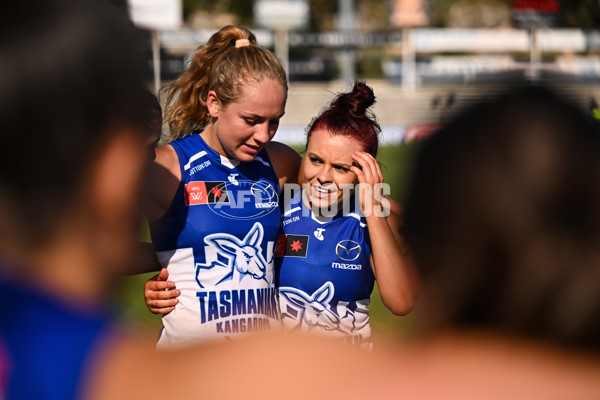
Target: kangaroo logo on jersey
x,y
311,309
291,246
201,192
347,250
319,233
300,310
229,256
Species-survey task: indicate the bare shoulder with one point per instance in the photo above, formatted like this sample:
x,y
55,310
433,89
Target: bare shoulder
x,y
396,212
166,158
286,162
394,220
164,179
129,369
121,369
395,206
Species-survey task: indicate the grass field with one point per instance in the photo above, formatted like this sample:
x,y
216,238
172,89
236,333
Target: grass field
x,y
129,299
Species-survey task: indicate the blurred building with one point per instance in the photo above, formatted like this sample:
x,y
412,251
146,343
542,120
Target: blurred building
x,y
482,44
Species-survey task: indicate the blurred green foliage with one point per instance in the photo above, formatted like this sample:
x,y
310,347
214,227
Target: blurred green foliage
x,y
583,14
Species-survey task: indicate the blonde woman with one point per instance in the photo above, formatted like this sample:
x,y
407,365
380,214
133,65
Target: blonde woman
x,y
214,215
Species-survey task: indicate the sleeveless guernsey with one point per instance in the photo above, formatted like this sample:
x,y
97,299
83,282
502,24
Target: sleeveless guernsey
x,y
324,273
217,241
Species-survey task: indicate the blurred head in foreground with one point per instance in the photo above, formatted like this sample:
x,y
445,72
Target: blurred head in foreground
x,y
503,217
71,87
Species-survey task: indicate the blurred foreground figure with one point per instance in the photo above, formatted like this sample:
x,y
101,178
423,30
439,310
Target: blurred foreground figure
x,y
74,147
72,152
503,217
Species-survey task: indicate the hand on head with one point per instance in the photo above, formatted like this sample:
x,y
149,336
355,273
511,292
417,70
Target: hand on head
x,y
370,181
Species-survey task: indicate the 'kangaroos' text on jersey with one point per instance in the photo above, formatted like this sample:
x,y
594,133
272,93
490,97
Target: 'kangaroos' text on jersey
x,y
217,241
324,273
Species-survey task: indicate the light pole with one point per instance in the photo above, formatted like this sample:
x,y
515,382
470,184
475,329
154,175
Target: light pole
x,y
347,58
282,16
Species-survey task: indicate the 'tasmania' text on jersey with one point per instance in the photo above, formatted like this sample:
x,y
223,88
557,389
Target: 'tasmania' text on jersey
x,y
217,241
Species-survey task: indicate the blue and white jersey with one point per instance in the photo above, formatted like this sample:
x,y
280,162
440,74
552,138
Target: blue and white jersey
x,y
217,242
324,273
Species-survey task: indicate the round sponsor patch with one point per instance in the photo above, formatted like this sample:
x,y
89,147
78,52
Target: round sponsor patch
x,y
243,199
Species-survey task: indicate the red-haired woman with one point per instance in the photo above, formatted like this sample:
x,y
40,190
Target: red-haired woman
x,y
339,234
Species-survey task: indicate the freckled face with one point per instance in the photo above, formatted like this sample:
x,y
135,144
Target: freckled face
x,y
243,128
326,166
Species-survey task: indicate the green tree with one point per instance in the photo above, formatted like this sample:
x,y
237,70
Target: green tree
x,y
438,11
322,15
241,8
583,14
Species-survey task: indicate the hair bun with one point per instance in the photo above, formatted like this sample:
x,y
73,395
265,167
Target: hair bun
x,y
358,101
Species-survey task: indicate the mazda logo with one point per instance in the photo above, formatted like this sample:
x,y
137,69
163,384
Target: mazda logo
x,y
348,250
263,191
